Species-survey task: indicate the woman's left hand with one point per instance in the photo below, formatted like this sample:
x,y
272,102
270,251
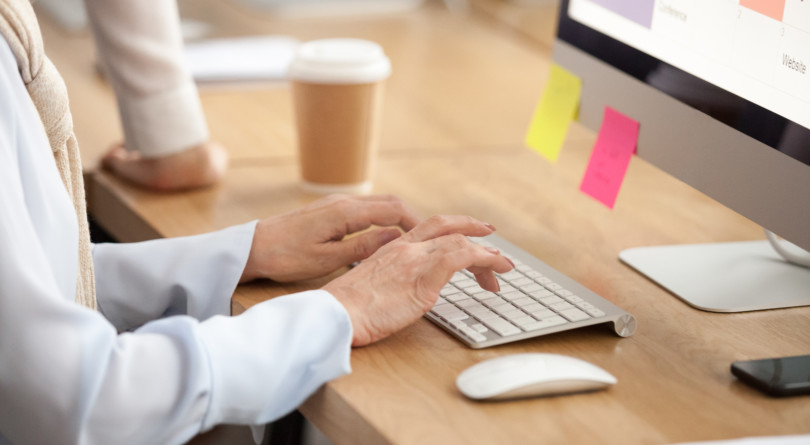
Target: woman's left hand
x,y
309,242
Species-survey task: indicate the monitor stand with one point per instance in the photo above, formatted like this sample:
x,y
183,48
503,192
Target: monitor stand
x,y
724,277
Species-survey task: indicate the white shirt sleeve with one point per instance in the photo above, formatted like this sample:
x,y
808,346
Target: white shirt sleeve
x,y
193,275
140,46
67,376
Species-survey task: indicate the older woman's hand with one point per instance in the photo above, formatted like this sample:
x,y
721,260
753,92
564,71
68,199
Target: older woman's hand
x,y
311,241
196,167
402,280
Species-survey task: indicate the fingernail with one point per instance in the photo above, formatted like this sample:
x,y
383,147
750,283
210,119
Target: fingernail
x,y
510,262
493,250
497,286
490,226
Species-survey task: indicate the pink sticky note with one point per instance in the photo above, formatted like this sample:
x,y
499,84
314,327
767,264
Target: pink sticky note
x,y
610,157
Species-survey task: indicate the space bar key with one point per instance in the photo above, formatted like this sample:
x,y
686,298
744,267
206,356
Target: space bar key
x,y
502,327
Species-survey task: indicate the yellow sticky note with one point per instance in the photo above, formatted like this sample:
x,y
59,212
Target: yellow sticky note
x,y
557,108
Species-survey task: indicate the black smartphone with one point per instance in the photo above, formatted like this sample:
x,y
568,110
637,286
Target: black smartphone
x,y
779,377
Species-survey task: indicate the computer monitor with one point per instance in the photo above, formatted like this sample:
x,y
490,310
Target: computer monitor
x,y
721,89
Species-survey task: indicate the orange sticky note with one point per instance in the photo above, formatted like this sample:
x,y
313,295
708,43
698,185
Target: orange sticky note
x,y
557,108
774,9
615,145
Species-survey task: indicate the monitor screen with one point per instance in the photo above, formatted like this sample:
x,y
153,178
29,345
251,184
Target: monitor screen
x,y
742,63
755,52
721,89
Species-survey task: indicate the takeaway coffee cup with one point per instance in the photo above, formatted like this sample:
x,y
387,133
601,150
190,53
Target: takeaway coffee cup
x,y
337,91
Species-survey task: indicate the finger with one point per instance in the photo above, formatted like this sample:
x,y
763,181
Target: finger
x,y
410,217
115,153
362,246
129,167
486,279
442,225
456,252
365,213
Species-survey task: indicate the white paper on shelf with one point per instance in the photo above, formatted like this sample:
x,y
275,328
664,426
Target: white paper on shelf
x,y
255,58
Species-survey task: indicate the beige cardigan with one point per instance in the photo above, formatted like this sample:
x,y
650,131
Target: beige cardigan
x,y
18,25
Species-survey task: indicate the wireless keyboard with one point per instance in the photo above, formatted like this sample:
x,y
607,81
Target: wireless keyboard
x,y
534,300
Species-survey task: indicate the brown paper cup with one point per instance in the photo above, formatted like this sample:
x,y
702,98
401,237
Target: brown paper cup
x,y
338,129
338,93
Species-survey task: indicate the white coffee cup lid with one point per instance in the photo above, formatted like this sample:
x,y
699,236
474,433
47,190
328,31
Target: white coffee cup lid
x,y
340,61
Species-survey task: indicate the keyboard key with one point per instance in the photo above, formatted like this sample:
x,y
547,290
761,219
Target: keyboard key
x,y
548,301
479,327
473,334
503,308
474,289
492,302
553,287
506,288
458,276
574,314
448,290
457,297
533,274
463,284
512,275
485,314
523,267
544,281
533,307
514,295
455,316
522,281
513,316
478,307
524,321
514,313
481,296
565,293
444,309
502,327
574,299
468,303
562,306
440,301
545,323
475,307
525,301
542,293
458,324
543,313
533,287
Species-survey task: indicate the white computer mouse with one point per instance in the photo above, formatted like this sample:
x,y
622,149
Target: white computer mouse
x,y
529,375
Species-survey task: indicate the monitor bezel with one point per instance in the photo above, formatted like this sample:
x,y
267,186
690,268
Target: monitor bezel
x,y
618,55
739,171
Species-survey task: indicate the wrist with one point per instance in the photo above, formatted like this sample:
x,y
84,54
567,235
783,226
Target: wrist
x,y
348,296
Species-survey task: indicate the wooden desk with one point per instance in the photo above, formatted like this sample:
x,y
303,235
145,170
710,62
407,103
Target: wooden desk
x,y
673,373
446,150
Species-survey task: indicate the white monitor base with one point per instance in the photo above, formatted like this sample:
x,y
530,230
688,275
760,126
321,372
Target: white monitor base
x,y
724,277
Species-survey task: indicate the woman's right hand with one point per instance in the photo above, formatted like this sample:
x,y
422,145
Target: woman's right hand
x,y
401,281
